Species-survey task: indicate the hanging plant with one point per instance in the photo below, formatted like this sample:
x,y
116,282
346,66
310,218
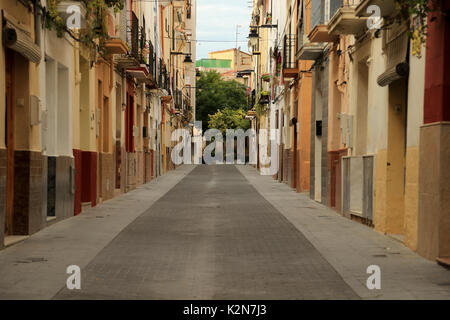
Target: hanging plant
x,y
95,33
53,19
415,13
266,77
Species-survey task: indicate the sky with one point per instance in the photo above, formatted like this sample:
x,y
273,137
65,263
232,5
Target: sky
x,y
217,20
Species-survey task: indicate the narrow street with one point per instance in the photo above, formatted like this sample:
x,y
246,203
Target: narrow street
x,y
215,232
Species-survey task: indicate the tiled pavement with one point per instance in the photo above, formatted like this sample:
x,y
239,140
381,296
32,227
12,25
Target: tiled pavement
x,y
351,247
223,232
213,236
36,267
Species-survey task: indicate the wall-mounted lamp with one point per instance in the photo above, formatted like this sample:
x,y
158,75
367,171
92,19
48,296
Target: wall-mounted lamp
x,y
253,37
188,59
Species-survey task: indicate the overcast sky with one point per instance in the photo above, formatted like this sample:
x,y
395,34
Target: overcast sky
x,y
217,20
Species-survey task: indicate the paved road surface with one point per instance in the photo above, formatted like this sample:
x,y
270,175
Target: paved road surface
x,y
212,236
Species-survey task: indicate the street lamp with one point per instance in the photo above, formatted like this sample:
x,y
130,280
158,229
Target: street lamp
x,y
254,37
188,60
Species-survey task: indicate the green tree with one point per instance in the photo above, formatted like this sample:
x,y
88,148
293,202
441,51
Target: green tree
x,y
213,94
228,118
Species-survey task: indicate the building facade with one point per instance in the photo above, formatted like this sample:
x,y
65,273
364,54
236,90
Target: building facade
x,y
357,102
90,108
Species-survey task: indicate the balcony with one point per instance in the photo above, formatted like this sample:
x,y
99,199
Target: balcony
x,y
125,62
151,65
388,8
135,37
345,21
116,46
163,79
141,73
320,34
290,68
178,99
133,60
321,13
251,114
311,51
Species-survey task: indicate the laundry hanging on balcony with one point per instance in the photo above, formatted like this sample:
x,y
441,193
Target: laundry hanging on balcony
x,y
397,66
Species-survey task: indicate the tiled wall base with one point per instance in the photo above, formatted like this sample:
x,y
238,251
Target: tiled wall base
x,y
2,194
27,192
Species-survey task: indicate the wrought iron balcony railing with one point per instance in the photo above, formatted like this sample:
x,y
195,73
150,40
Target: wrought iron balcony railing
x,y
135,36
151,63
289,52
320,14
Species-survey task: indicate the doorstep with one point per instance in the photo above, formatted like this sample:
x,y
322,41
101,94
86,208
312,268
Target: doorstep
x,y
444,261
397,237
11,240
85,206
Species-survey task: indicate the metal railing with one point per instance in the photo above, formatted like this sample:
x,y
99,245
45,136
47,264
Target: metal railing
x,y
178,99
163,76
135,36
289,52
319,14
349,3
151,64
251,100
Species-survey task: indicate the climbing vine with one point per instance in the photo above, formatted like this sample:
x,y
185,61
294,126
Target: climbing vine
x,y
95,33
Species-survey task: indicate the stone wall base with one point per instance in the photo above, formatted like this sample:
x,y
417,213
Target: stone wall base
x,y
434,191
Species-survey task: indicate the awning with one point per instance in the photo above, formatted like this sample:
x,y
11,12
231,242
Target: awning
x,y
394,73
20,41
397,65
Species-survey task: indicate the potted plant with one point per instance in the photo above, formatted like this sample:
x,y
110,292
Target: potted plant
x,y
266,77
268,18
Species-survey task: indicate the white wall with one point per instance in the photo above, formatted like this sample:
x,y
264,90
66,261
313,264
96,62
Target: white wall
x,y
56,81
370,53
416,92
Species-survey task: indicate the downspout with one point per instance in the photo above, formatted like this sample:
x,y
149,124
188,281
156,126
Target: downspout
x,y
37,23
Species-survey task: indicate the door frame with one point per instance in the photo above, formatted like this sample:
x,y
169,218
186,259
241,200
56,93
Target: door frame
x,y
10,146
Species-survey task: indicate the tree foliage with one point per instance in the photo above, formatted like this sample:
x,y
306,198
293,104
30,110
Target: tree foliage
x,y
213,94
228,118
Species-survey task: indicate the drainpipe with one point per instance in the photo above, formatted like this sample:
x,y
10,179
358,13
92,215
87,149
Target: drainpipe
x,y
37,23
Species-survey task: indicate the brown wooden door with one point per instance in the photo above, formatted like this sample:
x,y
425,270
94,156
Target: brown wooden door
x,y
295,159
9,143
334,178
